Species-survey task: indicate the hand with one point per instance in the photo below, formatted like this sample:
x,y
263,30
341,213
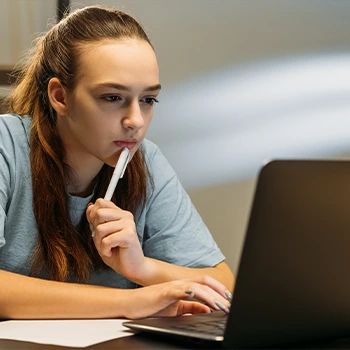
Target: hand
x,y
197,295
115,237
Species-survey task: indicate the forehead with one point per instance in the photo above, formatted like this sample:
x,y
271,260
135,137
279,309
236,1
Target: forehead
x,y
127,61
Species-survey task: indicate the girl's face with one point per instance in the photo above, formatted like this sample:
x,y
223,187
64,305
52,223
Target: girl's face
x,y
112,104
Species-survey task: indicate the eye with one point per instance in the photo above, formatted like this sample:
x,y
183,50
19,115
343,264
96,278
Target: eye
x,y
111,98
149,100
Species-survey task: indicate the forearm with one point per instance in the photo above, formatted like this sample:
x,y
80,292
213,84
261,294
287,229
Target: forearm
x,y
156,271
23,297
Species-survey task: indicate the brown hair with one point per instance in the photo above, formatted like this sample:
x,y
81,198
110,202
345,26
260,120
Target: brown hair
x,y
62,250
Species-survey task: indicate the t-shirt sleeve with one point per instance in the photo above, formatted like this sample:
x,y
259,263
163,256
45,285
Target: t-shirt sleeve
x,y
174,231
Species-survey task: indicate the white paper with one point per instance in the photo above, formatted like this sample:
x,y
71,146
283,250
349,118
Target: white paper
x,y
73,333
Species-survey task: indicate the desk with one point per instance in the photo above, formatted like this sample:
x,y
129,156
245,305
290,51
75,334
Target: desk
x,y
139,342
134,342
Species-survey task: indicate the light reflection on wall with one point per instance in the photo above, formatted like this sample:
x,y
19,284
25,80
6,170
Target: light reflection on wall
x,y
224,127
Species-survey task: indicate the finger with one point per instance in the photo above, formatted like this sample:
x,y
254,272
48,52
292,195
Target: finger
x,y
102,231
209,296
181,308
125,238
189,307
103,203
203,299
99,233
93,209
125,228
199,292
215,285
103,215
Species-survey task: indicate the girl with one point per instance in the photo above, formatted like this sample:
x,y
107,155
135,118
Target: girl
x,y
88,91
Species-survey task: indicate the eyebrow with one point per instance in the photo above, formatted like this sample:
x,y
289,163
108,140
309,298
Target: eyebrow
x,y
126,88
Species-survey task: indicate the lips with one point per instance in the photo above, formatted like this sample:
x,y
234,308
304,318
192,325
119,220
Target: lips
x,y
129,144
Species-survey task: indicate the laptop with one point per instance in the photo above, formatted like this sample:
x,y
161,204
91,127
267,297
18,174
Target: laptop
x,y
293,280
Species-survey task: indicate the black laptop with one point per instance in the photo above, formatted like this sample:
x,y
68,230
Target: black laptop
x,y
293,281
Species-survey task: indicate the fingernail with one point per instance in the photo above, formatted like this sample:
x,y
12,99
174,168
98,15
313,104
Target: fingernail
x,y
90,203
228,295
221,306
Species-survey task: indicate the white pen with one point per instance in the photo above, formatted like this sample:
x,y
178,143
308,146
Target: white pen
x,y
118,173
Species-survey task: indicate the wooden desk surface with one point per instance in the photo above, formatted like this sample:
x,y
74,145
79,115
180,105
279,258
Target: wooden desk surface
x,y
139,342
134,342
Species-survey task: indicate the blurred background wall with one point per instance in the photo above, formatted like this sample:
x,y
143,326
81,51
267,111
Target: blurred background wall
x,y
244,81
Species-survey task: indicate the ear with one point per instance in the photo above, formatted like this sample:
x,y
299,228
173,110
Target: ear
x,y
57,96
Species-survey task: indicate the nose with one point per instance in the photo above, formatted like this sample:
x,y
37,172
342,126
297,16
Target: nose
x,y
133,118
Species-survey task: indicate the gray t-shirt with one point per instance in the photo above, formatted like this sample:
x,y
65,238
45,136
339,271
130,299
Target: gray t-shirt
x,y
169,226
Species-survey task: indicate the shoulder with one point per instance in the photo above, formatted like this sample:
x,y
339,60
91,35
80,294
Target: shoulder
x,y
14,138
13,126
153,154
150,149
156,161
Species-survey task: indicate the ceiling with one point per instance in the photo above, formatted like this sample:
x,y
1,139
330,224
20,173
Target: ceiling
x,y
245,81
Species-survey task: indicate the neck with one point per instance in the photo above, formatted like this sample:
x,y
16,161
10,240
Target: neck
x,y
83,166
80,181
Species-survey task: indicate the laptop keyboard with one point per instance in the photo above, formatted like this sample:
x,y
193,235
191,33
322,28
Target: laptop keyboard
x,y
214,327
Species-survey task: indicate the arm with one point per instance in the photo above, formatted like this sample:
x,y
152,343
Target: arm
x,y
169,233
23,297
117,241
156,271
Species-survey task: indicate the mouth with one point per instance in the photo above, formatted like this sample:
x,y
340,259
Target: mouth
x,y
129,144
